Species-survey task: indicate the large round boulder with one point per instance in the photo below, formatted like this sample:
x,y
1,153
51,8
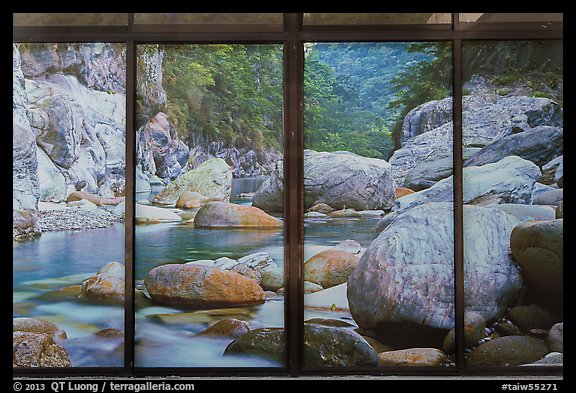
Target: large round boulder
x,y
201,286
326,346
338,179
330,268
537,246
268,343
35,344
230,215
213,179
107,285
407,273
507,351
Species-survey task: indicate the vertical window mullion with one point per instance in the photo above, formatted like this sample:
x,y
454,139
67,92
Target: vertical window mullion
x,y
293,193
458,203
129,213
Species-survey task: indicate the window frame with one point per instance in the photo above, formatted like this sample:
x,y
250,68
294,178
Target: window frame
x,y
292,36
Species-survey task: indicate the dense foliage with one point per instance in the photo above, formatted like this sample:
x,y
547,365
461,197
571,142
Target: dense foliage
x,y
229,93
356,94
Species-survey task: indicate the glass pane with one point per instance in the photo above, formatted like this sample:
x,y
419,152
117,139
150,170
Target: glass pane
x,y
68,181
378,225
209,256
375,18
69,19
512,188
480,17
209,18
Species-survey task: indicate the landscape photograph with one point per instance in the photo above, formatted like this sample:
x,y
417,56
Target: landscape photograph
x,y
379,219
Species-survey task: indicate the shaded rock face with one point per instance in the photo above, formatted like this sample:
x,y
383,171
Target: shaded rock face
x,y
537,246
339,179
244,161
201,286
539,145
509,180
229,215
406,274
151,94
68,121
265,342
485,119
160,151
507,351
25,184
81,129
24,225
550,169
326,346
98,66
34,343
212,179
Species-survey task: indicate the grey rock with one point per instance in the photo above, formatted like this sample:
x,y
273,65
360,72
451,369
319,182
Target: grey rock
x,y
142,181
528,212
159,143
555,339
552,359
433,169
539,145
549,170
151,94
273,279
406,275
268,343
507,351
213,179
98,66
348,245
474,325
537,246
426,117
326,346
550,197
560,210
25,225
81,130
486,119
51,181
36,343
530,317
25,184
339,179
509,180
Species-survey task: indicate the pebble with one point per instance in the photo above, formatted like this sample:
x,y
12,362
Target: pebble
x,y
74,220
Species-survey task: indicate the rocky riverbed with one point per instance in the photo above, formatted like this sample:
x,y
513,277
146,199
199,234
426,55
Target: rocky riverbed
x,y
75,220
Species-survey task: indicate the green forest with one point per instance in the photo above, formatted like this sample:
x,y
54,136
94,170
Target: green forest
x,y
355,94
229,93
